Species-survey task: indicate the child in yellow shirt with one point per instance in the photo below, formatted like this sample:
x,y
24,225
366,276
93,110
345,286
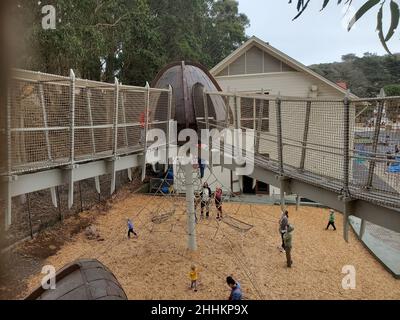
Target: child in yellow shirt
x,y
194,276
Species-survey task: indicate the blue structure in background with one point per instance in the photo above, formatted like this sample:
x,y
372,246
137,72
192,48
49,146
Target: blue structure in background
x,y
395,167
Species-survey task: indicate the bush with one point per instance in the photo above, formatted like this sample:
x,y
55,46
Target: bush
x,y
392,90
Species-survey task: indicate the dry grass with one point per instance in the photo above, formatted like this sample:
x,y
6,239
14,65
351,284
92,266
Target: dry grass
x,y
156,265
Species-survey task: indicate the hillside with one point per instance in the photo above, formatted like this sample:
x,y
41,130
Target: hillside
x,y
365,75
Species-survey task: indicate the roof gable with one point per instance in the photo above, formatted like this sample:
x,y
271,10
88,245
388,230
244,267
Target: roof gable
x,y
288,63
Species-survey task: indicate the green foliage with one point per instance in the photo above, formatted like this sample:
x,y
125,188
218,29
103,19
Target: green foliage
x,y
392,90
366,7
366,76
128,39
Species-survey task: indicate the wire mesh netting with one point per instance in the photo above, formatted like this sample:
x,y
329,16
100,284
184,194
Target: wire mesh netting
x,y
104,119
313,135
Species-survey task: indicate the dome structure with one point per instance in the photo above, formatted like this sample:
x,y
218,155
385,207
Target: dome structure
x,y
188,82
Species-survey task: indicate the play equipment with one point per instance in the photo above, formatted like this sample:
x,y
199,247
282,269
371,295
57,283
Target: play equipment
x,y
82,280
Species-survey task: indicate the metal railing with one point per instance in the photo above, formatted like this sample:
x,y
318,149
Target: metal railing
x,y
351,146
58,121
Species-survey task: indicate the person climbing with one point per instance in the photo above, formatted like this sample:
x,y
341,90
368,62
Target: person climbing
x,y
218,202
205,195
194,276
283,223
331,220
236,290
130,229
288,238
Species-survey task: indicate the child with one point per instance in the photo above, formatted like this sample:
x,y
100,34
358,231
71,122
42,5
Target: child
x,y
130,229
205,195
218,202
194,276
288,241
331,220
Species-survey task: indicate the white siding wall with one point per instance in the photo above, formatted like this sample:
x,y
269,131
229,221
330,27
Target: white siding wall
x,y
294,84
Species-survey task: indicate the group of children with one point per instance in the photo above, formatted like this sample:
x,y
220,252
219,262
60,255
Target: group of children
x,y
204,198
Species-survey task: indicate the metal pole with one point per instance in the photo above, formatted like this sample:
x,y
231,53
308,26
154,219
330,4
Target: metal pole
x,y
346,170
259,125
305,136
7,195
192,245
346,146
167,149
279,134
29,215
47,137
89,110
72,140
115,146
59,204
80,195
372,163
146,128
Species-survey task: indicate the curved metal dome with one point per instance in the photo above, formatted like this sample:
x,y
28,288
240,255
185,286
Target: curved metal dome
x,y
188,81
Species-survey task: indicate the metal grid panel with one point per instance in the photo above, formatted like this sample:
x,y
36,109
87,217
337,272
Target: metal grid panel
x,y
326,140
39,124
41,107
376,153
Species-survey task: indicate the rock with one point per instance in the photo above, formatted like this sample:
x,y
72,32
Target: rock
x,y
91,233
51,247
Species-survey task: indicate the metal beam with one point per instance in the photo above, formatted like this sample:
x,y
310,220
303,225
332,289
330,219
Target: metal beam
x,y
33,182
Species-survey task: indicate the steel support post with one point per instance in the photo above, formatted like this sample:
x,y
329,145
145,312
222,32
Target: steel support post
x,y
346,168
191,218
8,178
170,122
46,133
278,104
115,146
375,142
146,128
72,141
129,170
209,141
305,136
89,110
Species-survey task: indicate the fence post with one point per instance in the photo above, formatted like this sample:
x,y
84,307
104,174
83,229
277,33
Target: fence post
x,y
375,141
93,138
305,136
129,170
281,177
169,119
71,177
115,146
346,198
8,178
47,137
146,128
259,124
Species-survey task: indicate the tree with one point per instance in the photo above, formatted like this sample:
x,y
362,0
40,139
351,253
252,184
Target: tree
x,y
366,7
392,90
365,76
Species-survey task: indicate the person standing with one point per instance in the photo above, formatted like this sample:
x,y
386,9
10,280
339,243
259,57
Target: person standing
x,y
236,290
283,223
288,240
130,229
331,220
194,276
218,202
205,195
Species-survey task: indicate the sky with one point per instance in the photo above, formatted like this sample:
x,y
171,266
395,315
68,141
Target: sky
x,y
317,36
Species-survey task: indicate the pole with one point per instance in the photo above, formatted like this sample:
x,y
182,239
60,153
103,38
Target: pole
x,y
280,150
29,215
192,245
